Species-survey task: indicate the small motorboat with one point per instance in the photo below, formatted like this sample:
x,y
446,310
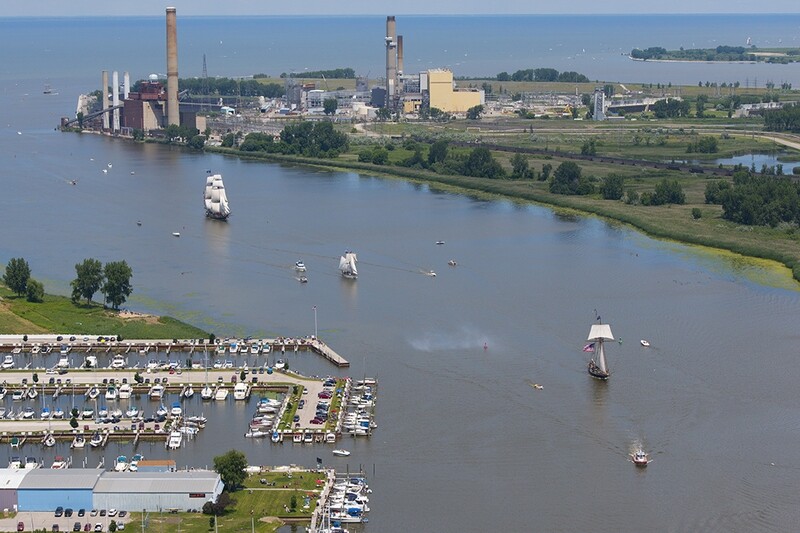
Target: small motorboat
x,y
452,263
341,453
640,458
645,343
300,266
96,440
302,279
176,234
431,273
439,242
78,442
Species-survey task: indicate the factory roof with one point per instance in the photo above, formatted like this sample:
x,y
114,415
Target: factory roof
x,y
66,479
10,478
158,482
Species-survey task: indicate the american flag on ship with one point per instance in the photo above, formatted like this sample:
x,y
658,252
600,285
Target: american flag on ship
x,y
589,347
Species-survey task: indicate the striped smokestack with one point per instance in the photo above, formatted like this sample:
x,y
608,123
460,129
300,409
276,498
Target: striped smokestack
x,y
173,112
391,60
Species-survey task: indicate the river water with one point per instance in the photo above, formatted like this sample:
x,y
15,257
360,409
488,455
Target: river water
x,y
464,443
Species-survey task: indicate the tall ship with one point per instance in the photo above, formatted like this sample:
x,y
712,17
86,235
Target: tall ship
x,y
215,199
347,265
598,334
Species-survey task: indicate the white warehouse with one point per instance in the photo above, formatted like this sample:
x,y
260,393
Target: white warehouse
x,y
156,491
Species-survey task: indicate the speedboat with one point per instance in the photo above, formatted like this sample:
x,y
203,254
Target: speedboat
x,y
63,362
255,349
59,462
133,466
121,464
256,433
176,409
28,413
58,413
302,279
175,440
102,412
161,410
8,362
49,441
18,395
32,393
452,263
221,394
3,392
15,463
341,453
46,414
300,266
645,343
31,463
275,437
96,440
206,393
36,349
640,458
93,393
111,393
132,412
188,392
156,391
87,413
78,442
118,361
125,391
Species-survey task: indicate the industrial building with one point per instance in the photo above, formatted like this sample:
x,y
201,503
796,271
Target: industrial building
x,y
158,491
443,95
44,489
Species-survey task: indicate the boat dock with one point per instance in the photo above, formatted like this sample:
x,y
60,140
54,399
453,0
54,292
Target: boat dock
x,y
109,343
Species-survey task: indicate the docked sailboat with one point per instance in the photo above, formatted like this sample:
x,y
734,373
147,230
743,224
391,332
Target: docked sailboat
x,y
347,265
598,334
216,201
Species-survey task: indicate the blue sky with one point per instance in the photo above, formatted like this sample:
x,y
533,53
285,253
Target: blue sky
x,y
12,8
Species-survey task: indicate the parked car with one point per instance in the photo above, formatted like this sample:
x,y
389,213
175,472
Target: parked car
x,y
87,527
123,513
59,511
98,527
77,527
20,526
68,512
112,512
81,512
102,512
93,513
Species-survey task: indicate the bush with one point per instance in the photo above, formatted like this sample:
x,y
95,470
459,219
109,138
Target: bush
x,y
796,171
34,291
696,213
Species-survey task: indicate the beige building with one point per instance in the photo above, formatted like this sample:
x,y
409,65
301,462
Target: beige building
x,y
443,94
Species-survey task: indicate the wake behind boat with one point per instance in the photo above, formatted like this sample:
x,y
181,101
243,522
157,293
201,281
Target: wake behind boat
x,y
598,334
215,199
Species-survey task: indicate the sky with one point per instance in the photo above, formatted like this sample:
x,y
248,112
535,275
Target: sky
x,y
83,8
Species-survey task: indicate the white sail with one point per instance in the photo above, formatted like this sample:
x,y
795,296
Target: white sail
x,y
342,264
215,199
600,332
601,357
347,265
352,262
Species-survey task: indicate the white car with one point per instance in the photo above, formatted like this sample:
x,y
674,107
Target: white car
x,y
98,527
112,512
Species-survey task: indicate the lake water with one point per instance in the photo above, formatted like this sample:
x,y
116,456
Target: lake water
x,y
464,443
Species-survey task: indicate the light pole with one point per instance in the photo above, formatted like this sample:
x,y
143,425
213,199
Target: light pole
x,y
315,321
252,522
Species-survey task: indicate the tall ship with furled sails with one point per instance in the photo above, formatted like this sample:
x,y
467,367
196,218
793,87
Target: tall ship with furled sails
x,y
215,199
598,366
347,265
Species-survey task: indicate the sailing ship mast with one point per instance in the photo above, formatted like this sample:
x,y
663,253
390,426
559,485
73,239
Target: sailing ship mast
x,y
598,334
215,199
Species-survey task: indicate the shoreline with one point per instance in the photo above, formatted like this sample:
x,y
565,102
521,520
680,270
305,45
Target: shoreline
x,y
696,61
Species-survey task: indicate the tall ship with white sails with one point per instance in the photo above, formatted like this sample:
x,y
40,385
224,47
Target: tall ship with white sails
x,y
216,201
598,334
347,265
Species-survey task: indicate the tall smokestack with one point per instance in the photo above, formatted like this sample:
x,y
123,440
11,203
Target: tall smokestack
x,y
115,97
126,83
391,60
104,83
399,55
173,112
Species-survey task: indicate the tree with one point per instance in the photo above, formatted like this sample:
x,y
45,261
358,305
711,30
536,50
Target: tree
x,y
230,466
566,178
519,166
330,105
16,276
481,164
547,168
35,377
73,423
383,114
437,152
117,286
89,280
197,142
112,527
474,112
612,187
668,192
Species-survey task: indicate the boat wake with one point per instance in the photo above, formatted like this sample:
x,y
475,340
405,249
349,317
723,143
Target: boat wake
x,y
461,340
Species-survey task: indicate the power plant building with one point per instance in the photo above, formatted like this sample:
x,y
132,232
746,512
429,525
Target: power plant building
x,y
443,95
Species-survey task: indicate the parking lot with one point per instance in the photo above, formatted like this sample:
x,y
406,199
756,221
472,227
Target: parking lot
x,y
46,520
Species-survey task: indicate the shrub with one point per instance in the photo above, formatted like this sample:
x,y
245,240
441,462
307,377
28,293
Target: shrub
x,y
696,213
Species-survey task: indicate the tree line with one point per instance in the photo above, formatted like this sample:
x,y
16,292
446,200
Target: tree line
x,y
225,87
543,74
343,73
785,119
756,199
310,139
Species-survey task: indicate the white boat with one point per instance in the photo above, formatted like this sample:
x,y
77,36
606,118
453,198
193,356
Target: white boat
x,y
124,391
176,234
188,392
176,409
59,463
156,391
64,349
63,362
275,437
87,413
18,395
297,437
347,265
46,414
302,279
256,433
175,440
15,463
300,266
341,453
58,413
90,361
161,410
102,412
598,334
78,442
116,413
8,362
32,393
189,430
640,458
3,392
31,463
112,393
28,413
17,350
118,361
93,392
132,412
121,464
241,391
206,393
215,199
96,440
49,441
255,349
221,394
645,343
35,349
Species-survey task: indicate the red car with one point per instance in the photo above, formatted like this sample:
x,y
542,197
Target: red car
x,y
20,526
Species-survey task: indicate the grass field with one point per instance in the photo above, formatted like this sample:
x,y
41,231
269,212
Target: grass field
x,y
57,314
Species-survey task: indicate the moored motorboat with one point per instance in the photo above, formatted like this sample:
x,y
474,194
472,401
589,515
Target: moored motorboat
x,y
341,453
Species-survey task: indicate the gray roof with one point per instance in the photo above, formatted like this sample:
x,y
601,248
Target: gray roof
x,y
10,478
66,479
180,482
